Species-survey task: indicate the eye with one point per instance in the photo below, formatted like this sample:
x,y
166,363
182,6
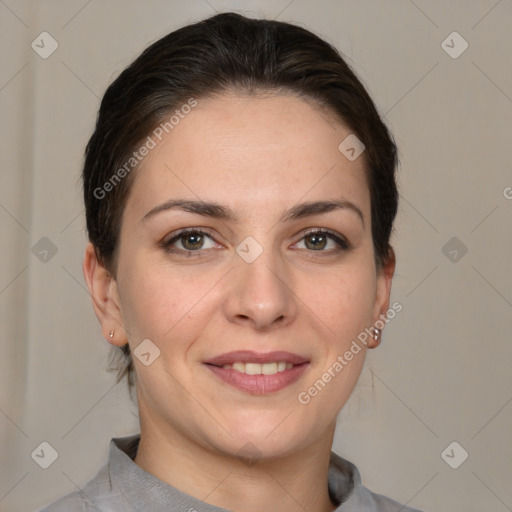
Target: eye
x,y
321,240
190,240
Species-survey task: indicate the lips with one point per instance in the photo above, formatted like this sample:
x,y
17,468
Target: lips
x,y
248,356
258,373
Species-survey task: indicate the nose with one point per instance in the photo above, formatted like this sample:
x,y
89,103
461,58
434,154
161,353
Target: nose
x,y
261,293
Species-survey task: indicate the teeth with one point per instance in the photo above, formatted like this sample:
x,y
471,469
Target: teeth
x,y
254,368
267,368
239,367
259,369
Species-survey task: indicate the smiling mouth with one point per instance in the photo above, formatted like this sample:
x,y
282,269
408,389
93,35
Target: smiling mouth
x,y
258,373
258,368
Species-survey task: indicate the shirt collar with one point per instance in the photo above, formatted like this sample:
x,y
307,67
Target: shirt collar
x,y
132,482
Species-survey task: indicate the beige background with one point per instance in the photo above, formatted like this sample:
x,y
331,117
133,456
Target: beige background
x,y
442,373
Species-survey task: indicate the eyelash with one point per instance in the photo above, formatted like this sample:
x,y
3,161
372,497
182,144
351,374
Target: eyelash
x,y
341,242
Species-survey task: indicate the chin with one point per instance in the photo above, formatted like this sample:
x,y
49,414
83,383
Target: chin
x,y
249,451
264,439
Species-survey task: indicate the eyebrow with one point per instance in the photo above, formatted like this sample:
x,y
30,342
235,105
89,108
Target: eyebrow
x,y
217,211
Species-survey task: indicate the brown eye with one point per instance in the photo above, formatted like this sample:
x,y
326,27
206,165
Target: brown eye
x,y
192,241
316,241
323,241
189,241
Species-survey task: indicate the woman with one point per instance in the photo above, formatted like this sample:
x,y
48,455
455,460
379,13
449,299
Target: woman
x,y
240,195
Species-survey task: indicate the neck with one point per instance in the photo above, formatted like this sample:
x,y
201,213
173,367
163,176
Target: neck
x,y
297,482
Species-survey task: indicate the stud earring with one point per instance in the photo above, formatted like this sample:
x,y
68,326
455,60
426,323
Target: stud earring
x,y
111,334
376,333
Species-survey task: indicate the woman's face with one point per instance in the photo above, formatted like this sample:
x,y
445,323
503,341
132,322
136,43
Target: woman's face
x,y
254,280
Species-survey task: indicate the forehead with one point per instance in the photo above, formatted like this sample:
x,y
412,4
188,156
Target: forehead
x,y
251,151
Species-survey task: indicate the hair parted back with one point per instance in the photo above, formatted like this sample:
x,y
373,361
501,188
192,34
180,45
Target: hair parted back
x,y
227,52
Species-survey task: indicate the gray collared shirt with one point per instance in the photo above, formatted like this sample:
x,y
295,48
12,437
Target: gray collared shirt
x,y
123,486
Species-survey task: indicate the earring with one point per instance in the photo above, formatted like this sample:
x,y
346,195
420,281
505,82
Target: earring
x,y
111,334
376,333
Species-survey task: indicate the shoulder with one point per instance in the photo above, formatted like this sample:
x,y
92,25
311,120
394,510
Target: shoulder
x,y
368,500
346,488
91,498
74,502
114,486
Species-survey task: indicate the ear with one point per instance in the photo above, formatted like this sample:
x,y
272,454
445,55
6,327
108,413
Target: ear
x,y
383,293
105,297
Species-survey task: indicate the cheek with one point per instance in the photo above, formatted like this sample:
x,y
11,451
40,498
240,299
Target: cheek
x,y
343,300
343,303
163,305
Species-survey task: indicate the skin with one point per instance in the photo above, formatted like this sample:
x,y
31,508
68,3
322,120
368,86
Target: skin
x,y
259,156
